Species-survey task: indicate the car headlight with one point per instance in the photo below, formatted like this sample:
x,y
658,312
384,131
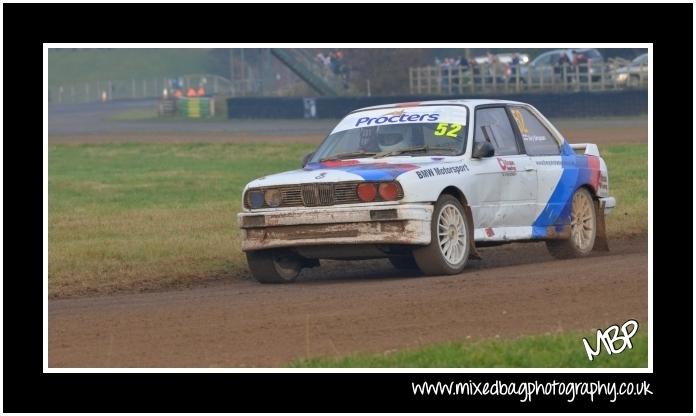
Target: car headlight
x,y
273,197
256,199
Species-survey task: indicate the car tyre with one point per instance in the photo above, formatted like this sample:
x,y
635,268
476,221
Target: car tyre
x,y
450,241
583,229
273,266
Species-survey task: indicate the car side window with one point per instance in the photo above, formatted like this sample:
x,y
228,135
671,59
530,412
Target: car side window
x,y
493,125
537,139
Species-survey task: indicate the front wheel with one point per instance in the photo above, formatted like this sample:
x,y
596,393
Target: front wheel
x,y
583,229
273,266
450,244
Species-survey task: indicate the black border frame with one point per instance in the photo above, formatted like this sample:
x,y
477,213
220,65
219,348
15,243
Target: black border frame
x,y
26,388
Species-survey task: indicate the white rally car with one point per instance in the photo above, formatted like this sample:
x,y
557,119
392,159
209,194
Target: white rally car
x,y
424,184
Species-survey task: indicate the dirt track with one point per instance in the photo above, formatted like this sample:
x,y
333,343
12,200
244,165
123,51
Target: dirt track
x,y
516,290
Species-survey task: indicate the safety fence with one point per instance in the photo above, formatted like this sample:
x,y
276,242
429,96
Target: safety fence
x,y
107,90
552,104
489,78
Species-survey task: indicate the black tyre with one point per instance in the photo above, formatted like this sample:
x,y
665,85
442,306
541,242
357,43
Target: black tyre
x,y
450,242
273,266
404,262
583,229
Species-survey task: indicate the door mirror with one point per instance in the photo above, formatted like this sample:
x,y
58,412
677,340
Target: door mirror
x,y
306,159
482,149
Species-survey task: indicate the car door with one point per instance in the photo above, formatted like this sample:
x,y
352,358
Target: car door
x,y
504,194
544,150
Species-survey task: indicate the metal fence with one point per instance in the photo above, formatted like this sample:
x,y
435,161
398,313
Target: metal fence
x,y
494,79
140,88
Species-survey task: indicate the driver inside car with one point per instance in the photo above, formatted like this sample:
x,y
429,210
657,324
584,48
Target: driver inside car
x,y
388,138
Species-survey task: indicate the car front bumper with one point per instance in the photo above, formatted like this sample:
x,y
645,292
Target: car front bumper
x,y
376,224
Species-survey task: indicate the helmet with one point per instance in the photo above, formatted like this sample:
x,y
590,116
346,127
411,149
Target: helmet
x,y
390,138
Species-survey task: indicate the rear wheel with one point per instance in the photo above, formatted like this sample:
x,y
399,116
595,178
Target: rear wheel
x,y
274,266
450,244
583,229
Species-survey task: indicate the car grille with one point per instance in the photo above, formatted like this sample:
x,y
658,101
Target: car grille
x,y
314,194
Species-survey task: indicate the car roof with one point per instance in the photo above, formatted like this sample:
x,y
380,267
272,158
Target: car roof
x,y
467,102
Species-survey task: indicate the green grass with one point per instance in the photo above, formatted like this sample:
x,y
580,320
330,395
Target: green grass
x,y
564,350
627,165
136,114
66,66
139,216
151,114
143,216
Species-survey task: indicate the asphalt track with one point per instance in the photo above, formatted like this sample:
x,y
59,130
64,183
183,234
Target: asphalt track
x,y
343,308
90,123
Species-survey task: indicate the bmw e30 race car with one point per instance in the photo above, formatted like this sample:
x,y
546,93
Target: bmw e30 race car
x,y
424,184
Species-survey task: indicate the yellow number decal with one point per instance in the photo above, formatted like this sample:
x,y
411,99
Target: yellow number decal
x,y
441,129
517,115
455,129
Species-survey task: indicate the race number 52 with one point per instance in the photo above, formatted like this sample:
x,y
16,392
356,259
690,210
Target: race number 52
x,y
447,129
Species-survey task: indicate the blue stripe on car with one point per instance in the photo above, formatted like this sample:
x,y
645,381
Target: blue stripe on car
x,y
557,210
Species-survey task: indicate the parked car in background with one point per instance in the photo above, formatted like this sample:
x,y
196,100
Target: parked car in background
x,y
505,58
548,65
424,184
502,66
633,75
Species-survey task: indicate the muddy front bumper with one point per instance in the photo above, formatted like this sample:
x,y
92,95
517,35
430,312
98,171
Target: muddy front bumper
x,y
380,224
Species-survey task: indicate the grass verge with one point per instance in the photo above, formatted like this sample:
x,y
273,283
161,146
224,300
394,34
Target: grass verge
x,y
564,350
70,66
628,183
139,216
148,114
144,216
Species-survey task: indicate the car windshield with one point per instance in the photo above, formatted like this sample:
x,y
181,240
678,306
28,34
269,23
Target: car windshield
x,y
590,53
409,131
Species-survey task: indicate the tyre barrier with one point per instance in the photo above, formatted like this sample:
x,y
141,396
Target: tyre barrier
x,y
198,107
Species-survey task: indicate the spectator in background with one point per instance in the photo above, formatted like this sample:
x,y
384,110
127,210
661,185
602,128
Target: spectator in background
x,y
324,59
334,63
563,60
496,69
571,55
514,65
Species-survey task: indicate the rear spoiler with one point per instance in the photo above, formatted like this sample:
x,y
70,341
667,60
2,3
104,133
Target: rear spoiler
x,y
590,149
